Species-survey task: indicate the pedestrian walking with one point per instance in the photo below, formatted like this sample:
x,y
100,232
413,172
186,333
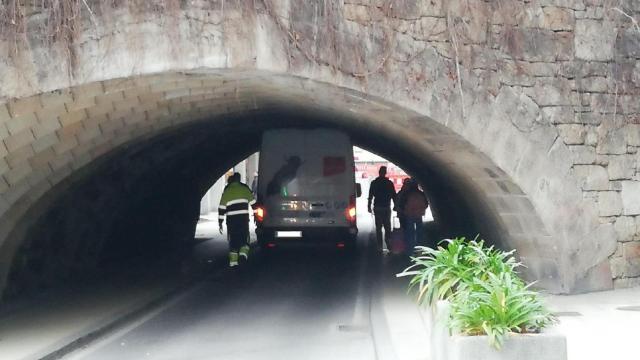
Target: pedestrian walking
x,y
381,193
412,204
235,204
399,196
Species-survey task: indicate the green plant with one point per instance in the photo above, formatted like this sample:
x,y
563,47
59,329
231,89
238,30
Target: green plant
x,y
497,306
487,297
440,273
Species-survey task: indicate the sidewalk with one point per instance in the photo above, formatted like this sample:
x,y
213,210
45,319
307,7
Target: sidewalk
x,y
598,326
56,320
602,325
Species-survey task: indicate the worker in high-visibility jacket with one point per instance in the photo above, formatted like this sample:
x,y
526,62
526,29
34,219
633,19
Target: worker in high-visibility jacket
x,y
236,203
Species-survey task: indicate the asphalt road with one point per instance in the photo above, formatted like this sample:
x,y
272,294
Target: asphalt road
x,y
297,303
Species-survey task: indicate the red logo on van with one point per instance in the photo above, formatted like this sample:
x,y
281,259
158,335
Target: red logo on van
x,y
333,165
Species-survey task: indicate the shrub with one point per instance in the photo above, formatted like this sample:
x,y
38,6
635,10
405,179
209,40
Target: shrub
x,y
440,273
487,296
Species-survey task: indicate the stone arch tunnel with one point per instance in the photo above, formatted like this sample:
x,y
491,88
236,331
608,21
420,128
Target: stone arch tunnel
x,y
110,137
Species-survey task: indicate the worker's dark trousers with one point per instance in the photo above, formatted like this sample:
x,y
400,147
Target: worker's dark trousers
x,y
238,229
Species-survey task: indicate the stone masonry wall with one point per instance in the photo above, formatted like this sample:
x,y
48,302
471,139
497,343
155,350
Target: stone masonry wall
x,y
575,60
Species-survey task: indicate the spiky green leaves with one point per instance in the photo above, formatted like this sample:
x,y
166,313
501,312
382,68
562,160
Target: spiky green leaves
x,y
487,296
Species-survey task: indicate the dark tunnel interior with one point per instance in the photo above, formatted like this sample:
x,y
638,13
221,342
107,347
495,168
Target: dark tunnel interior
x,y
142,201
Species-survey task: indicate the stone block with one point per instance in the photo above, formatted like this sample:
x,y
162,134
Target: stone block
x,y
631,255
583,155
21,107
542,45
94,121
592,177
88,134
19,123
120,114
99,110
18,156
588,118
81,104
126,104
594,40
628,43
593,84
42,158
559,114
618,265
550,92
67,143
44,142
87,91
15,175
625,227
45,128
72,117
633,134
609,203
612,139
621,167
557,19
109,98
111,126
572,134
630,197
564,45
19,140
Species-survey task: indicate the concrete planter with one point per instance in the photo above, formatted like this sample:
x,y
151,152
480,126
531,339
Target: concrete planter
x,y
544,346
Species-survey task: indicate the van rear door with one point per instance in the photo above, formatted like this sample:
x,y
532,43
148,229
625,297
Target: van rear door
x,y
306,178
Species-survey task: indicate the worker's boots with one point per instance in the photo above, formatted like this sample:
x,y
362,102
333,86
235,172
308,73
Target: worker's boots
x,y
233,259
244,252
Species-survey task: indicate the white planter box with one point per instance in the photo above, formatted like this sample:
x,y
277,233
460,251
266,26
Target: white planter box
x,y
544,346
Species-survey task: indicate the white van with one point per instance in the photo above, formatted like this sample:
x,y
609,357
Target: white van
x,y
306,188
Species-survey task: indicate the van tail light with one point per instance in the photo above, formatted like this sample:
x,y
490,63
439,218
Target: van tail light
x,y
259,213
351,210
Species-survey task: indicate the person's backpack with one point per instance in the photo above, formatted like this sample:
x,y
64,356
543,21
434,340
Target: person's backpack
x,y
416,204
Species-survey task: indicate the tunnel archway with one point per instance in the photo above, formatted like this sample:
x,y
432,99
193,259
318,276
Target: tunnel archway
x,y
144,151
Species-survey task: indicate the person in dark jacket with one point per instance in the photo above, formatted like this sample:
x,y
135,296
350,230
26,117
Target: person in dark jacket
x,y
412,205
381,193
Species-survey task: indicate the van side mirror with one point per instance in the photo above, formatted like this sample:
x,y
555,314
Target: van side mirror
x,y
358,190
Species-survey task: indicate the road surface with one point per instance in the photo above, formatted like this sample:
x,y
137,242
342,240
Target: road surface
x,y
296,303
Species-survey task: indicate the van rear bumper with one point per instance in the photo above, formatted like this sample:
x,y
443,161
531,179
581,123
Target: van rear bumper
x,y
319,234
